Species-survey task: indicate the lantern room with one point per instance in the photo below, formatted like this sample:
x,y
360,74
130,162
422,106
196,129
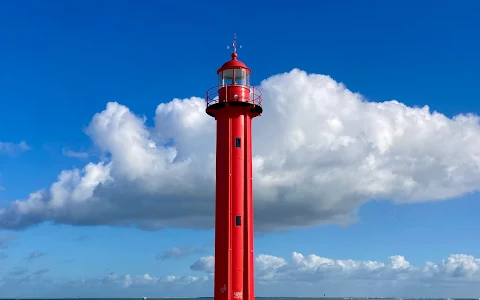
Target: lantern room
x,y
234,72
234,87
233,77
234,81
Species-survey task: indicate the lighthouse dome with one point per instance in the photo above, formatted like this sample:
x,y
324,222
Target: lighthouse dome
x,y
234,63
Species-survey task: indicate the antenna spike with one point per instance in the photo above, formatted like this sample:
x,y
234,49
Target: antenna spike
x,y
234,46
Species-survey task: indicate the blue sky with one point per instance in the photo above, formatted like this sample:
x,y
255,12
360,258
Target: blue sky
x,y
62,62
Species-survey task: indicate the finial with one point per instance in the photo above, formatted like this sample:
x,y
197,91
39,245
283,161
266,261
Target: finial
x,y
234,46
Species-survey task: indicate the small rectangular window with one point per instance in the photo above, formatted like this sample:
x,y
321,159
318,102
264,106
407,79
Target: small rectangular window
x,y
238,221
238,142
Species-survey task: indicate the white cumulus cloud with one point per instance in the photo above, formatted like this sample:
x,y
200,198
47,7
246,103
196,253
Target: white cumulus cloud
x,y
320,152
204,264
313,268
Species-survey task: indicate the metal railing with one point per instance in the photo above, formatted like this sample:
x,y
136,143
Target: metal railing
x,y
255,96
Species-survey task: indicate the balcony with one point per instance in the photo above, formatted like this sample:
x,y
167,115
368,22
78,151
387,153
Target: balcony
x,y
250,94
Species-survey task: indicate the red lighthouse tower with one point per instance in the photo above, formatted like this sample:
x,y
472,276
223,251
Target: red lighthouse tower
x,y
234,103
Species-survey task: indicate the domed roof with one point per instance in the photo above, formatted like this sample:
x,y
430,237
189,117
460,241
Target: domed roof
x,y
234,63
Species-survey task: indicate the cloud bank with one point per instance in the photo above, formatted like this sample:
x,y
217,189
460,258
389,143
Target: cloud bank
x,y
320,151
301,275
311,269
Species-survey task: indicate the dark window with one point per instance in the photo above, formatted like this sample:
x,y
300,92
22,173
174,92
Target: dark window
x,y
238,142
238,221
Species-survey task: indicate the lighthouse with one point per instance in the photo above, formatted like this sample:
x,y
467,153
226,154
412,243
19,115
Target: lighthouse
x,y
234,103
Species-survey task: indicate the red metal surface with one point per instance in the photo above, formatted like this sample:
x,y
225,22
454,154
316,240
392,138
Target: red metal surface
x,y
223,209
214,94
234,256
248,275
234,63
